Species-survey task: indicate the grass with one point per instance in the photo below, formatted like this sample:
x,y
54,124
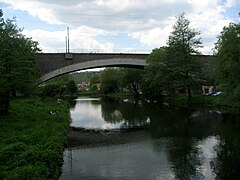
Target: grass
x,y
182,100
32,140
213,101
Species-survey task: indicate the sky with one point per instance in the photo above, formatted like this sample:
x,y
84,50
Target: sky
x,y
117,25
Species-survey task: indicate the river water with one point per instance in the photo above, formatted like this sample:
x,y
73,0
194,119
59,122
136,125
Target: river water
x,y
122,139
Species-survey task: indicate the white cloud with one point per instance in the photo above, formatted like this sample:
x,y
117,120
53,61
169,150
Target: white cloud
x,y
111,15
210,23
154,37
231,3
81,38
35,9
149,22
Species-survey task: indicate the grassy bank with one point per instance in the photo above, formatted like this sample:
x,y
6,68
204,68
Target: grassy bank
x,y
214,101
32,139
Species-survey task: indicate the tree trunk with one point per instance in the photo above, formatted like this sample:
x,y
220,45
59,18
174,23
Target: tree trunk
x,y
5,103
189,93
188,88
135,89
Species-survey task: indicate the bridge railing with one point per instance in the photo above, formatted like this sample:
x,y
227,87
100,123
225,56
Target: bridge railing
x,y
117,51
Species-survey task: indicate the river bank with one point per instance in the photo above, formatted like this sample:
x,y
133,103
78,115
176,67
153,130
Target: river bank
x,y
33,137
181,100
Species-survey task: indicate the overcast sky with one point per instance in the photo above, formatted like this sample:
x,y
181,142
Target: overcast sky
x,y
118,24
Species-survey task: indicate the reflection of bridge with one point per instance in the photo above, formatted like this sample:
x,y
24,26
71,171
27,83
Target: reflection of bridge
x,y
55,64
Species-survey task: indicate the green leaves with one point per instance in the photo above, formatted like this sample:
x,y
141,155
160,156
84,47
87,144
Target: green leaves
x,y
173,69
155,77
228,54
17,66
109,80
184,38
32,140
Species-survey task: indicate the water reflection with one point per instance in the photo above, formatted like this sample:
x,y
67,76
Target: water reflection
x,y
123,161
87,114
177,144
107,114
226,165
130,114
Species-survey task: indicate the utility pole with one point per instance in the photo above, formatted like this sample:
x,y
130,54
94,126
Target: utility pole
x,y
66,44
68,39
68,55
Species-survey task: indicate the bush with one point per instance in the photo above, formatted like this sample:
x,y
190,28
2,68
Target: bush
x,y
32,140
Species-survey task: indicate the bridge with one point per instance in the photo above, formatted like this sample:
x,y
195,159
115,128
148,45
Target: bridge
x,y
56,64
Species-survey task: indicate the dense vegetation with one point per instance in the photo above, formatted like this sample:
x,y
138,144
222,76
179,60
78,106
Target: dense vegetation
x,y
60,86
80,77
114,80
33,133
17,66
228,55
33,136
174,69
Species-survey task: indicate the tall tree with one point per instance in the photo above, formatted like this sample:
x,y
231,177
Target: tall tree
x,y
131,79
183,43
228,56
17,66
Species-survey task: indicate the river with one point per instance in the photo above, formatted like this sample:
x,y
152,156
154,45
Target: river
x,y
122,139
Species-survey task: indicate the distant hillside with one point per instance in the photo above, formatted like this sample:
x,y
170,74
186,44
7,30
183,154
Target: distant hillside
x,y
80,77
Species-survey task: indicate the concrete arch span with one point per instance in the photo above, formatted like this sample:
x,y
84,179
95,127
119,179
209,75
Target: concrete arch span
x,y
116,62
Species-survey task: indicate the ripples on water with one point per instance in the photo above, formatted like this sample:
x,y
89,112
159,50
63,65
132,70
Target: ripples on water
x,y
121,140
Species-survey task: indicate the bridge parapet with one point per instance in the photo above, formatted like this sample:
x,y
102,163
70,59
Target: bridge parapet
x,y
101,51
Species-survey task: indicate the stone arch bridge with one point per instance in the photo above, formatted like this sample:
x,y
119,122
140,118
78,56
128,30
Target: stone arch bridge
x,y
56,64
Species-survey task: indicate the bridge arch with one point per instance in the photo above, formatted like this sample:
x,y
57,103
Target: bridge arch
x,y
56,64
113,62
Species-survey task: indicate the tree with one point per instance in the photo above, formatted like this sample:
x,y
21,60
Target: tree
x,y
59,86
228,56
156,78
17,66
1,13
110,80
95,78
131,79
174,68
183,43
71,87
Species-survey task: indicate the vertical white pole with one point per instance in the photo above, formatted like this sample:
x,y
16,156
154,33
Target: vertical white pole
x,y
66,43
68,38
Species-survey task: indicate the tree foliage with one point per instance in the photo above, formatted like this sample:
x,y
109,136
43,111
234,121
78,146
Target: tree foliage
x,y
120,79
17,66
71,87
96,78
155,79
183,43
174,69
131,79
228,55
59,86
110,80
